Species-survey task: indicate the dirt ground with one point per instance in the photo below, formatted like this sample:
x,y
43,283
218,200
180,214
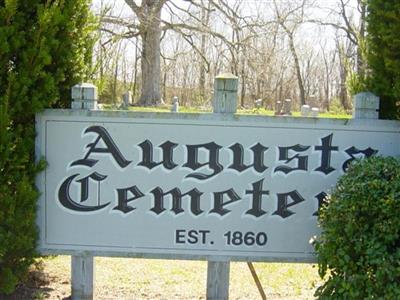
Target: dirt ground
x,y
123,279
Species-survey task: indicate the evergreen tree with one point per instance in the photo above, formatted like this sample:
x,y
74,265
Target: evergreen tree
x,y
45,48
384,54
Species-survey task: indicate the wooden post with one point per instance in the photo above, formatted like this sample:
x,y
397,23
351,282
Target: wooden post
x,y
225,101
84,96
82,266
365,106
218,280
225,93
82,279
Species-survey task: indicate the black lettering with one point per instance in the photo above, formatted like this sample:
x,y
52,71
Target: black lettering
x,y
321,197
326,149
192,237
213,160
180,236
258,158
283,203
147,155
257,193
123,199
352,151
219,201
203,234
85,184
110,147
66,200
302,161
177,196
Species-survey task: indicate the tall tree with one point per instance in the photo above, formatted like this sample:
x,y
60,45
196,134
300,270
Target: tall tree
x,y
149,15
289,19
43,50
384,54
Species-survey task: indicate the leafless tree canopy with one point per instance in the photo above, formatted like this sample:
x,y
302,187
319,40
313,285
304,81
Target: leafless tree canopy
x,y
300,49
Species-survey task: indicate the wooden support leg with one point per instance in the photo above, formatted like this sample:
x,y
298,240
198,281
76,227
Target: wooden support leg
x,y
82,277
218,280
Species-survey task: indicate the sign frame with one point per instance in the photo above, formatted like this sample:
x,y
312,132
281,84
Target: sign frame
x,y
222,120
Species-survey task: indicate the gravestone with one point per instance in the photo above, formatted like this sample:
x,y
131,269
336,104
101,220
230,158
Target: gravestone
x,y
175,104
305,110
314,112
287,107
127,99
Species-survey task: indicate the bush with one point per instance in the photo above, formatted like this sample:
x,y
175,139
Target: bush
x,y
359,248
42,44
383,56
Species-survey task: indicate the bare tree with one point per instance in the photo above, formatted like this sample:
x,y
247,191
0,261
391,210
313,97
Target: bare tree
x,y
289,18
329,59
350,20
149,29
264,44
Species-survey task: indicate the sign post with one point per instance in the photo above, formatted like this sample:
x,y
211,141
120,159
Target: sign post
x,y
225,101
84,96
82,277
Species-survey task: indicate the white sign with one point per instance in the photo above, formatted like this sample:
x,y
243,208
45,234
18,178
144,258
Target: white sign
x,y
193,187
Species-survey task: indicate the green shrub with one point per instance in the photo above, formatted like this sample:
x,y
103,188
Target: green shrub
x,y
359,248
383,44
42,45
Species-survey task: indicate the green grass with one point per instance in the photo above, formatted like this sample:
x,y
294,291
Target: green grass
x,y
119,278
260,111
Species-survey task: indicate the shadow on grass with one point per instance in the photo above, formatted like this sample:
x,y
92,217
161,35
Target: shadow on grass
x,y
34,287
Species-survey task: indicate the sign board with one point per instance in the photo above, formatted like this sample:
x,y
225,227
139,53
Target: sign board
x,y
182,186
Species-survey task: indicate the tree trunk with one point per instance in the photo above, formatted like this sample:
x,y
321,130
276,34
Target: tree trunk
x,y
361,64
243,84
343,79
134,87
164,82
298,72
205,18
296,65
151,69
202,77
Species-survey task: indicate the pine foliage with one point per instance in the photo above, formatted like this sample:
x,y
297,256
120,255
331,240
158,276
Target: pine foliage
x,y
45,48
384,54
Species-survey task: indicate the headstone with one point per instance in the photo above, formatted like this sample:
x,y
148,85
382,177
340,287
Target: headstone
x,y
287,107
175,104
225,93
278,108
127,98
365,106
84,96
258,103
314,112
305,110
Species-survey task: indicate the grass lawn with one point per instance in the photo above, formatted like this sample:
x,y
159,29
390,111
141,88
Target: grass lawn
x,y
119,279
261,111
